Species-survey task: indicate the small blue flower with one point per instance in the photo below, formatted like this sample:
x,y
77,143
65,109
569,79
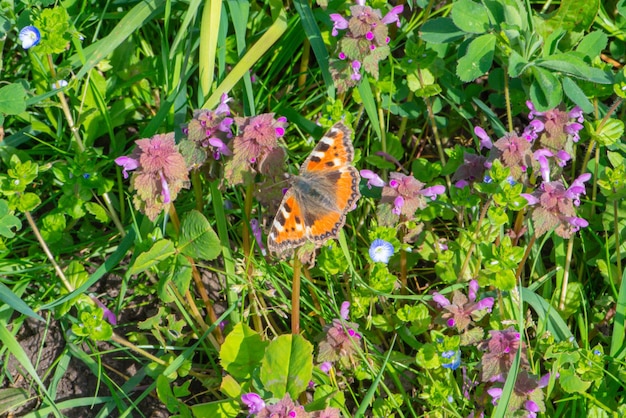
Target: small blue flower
x,y
454,356
381,251
29,37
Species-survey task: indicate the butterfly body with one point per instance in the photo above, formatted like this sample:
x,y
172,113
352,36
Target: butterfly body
x,y
315,206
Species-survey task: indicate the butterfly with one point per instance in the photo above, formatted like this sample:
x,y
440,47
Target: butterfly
x,y
314,207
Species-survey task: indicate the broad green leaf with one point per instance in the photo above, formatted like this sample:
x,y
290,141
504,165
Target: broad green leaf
x,y
242,352
441,30
545,91
160,251
470,16
222,409
97,211
27,202
478,58
12,99
610,133
180,273
574,15
592,44
576,95
576,67
287,366
8,221
197,238
571,382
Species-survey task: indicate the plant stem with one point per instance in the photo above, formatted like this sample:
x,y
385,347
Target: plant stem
x,y
295,296
568,262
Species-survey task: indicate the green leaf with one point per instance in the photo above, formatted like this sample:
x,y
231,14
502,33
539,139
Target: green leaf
x,y
197,238
470,16
592,44
478,58
440,31
12,398
572,383
610,133
8,221
242,351
27,202
7,296
161,250
56,31
12,99
545,91
577,95
97,211
223,409
574,15
180,273
287,366
576,67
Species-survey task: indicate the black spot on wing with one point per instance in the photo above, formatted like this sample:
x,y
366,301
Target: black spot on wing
x,y
287,208
322,146
315,159
330,164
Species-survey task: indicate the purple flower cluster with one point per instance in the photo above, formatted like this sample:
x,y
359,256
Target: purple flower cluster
x,y
364,44
541,152
462,310
161,172
341,340
407,194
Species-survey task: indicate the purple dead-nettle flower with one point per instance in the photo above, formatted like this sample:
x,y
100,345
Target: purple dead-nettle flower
x,y
339,23
472,169
562,157
344,311
485,141
533,112
127,164
380,251
541,155
577,188
577,113
373,179
573,129
514,152
341,340
161,172
254,402
220,148
342,56
326,366
576,223
532,200
393,15
398,203
433,191
369,36
108,315
407,194
463,309
356,70
532,408
461,184
29,36
222,108
500,351
258,136
531,132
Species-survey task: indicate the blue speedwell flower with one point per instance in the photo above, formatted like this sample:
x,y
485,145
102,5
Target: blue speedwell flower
x,y
381,251
29,37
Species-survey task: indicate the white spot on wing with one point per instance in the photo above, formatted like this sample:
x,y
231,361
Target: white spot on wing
x,y
328,140
278,227
317,154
